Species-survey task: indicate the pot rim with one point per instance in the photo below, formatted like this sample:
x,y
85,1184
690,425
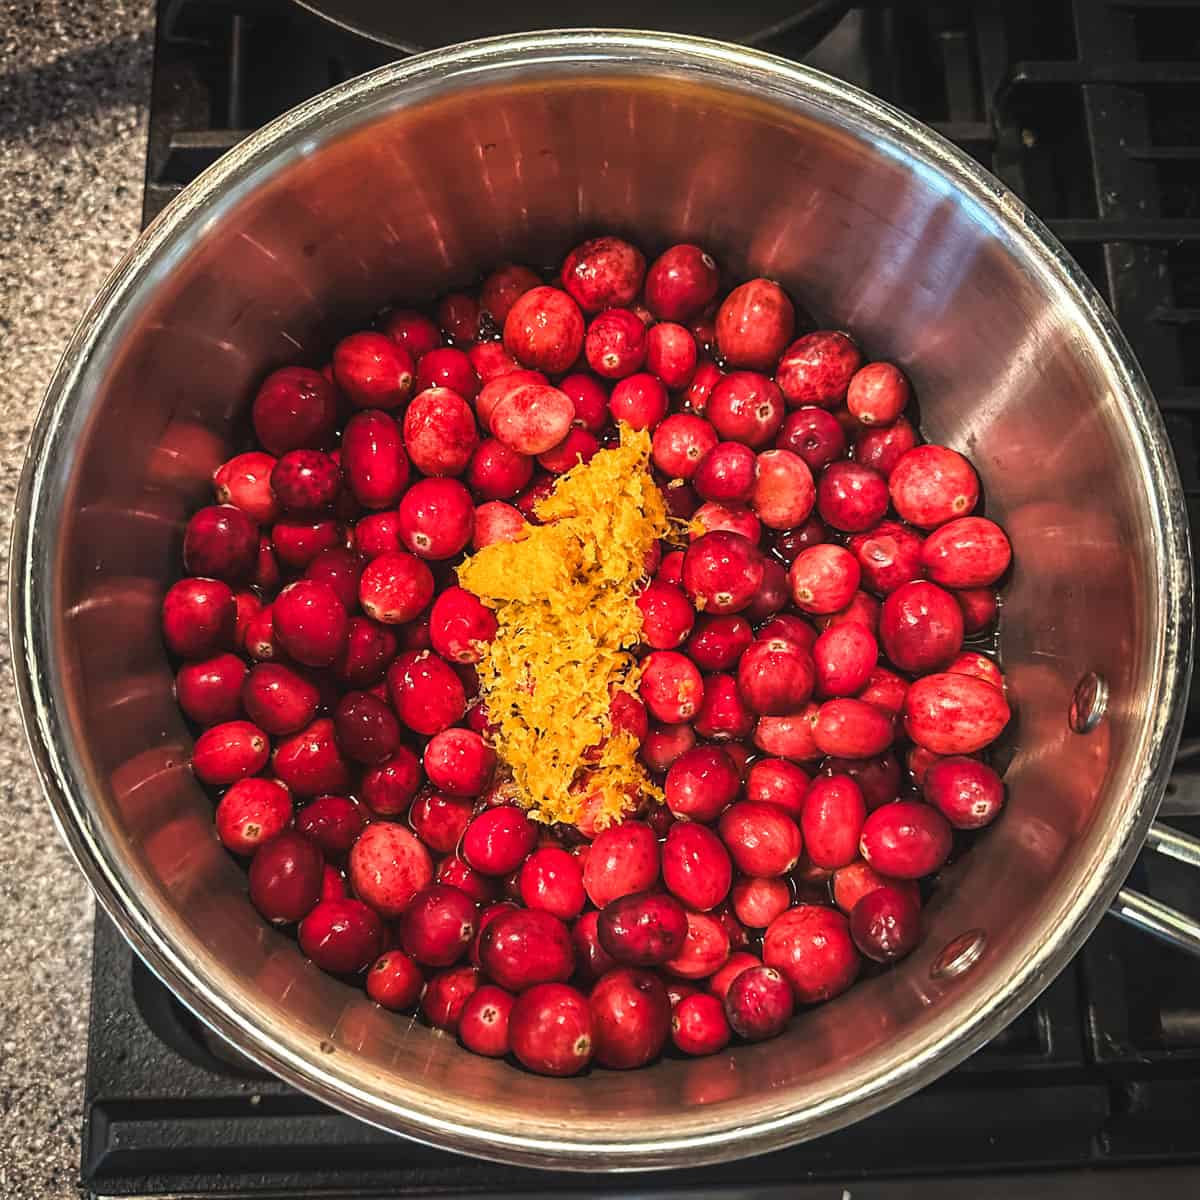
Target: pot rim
x,y
775,80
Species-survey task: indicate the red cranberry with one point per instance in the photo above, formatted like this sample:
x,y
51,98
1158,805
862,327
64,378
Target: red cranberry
x,y
639,400
366,728
667,616
447,368
310,623
705,949
295,408
395,981
790,736
413,330
863,610
436,518
458,315
968,793
759,1003
779,782
670,568
228,752
783,492
878,394
757,902
453,871
851,497
544,330
844,657
483,1023
885,689
426,693
921,627
853,882
333,884
883,447
439,820
306,479
761,838
503,287
754,324
886,923
726,474
817,368
631,1016
590,401
775,676
460,625
906,839
439,432
681,282
209,691
644,929
459,762
746,407
717,642
437,926
878,778
811,946
737,962
388,789
446,996
970,552
979,608
681,443
373,371
725,518
199,618
699,1025
297,540
341,936
258,639
222,542
979,665
524,947
918,760
931,485
814,435
279,699
696,395
671,355
285,877
551,879
695,865
245,482
889,555
852,728
498,839
723,714
624,859
550,1030
341,569
591,959
249,606
615,345
388,867
252,812
663,744
368,650
834,812
670,687
496,472
577,447
376,534
604,272
721,572
701,782
824,579
496,522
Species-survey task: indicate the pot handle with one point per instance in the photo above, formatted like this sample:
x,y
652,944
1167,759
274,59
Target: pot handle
x,y
1152,916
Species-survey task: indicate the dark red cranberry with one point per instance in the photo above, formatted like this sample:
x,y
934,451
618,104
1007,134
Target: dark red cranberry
x,y
437,925
754,324
388,867
681,282
413,330
298,539
368,650
342,936
577,447
791,628
395,981
388,789
458,315
817,368
921,627
285,877
483,1023
221,542
726,473
373,371
503,287
426,693
979,608
954,714
775,676
615,345
279,699
699,1025
366,728
697,393
718,642
931,485
815,435
303,480
701,782
447,368
454,871
375,467
436,518
631,1018
439,820
886,923
883,447
644,929
759,1003
498,839
889,555
524,947
199,618
295,408
497,472
791,543
333,822
695,865
878,394
878,778
812,948
603,272
550,1030
446,995
851,497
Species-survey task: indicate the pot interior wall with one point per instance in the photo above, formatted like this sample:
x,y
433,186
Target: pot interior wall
x,y
426,188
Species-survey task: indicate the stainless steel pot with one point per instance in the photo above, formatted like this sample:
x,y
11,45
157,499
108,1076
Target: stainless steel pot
x,y
417,176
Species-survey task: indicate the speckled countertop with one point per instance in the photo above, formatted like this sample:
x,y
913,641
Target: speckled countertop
x,y
74,82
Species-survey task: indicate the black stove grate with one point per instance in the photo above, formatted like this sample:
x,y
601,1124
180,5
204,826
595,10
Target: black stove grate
x,y
1090,110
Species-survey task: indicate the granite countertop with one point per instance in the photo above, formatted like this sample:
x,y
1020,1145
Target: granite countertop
x,y
74,83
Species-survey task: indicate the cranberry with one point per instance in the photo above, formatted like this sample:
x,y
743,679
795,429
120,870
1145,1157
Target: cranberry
x,y
746,407
774,593
851,497
297,540
343,936
591,959
460,625
310,623
970,552
440,432
306,479
671,355
663,744
791,543
373,371
889,556
388,789
844,657
639,400
644,929
533,418
279,699
225,753
333,884
550,1030
341,569
544,330
852,728
667,617
458,315
737,962
333,823
717,642
437,926
705,949
222,542
813,434
436,518
726,474
817,368
503,287
631,1016
759,1003
577,447
368,650
496,522
878,394
210,691
834,812
615,345
701,782
285,877
499,389
968,793
906,839
426,693
376,534
483,1023
623,859
921,627
696,866
721,572
670,687
681,282
725,518
980,666
885,689
439,820
824,578
783,493
450,369
245,482
295,408
670,568
761,838
459,762
413,330
699,1025
681,443
604,272
791,627
754,324
779,782
878,778
979,608
757,902
551,879
395,981
496,472
723,714
863,610
851,883
259,638
931,485
681,499
252,812
696,395
775,676
446,996
811,947
454,871
366,728
883,447
498,839
886,923
388,867
524,947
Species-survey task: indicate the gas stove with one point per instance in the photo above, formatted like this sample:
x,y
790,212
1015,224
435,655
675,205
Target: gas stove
x,y
1090,110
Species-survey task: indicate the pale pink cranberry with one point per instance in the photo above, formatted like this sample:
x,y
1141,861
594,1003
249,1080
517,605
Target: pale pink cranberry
x,y
310,762
426,693
746,407
979,608
436,518
671,355
832,821
844,657
245,482
459,762
395,981
210,691
851,497
971,663
544,330
698,1025
931,485
497,522
438,925
883,447
705,949
886,923
850,728
812,947
233,750
878,778
252,812
483,1023
498,839
759,1003
721,572
439,432
550,1030
615,345
681,443
285,877
221,542
670,687
504,287
723,714
590,399
533,418
970,552
500,388
754,324
295,408
817,368
447,368
695,865
906,839
757,902
367,729
373,371
824,578
413,330
278,699
777,781
458,315
784,493
667,617
497,472
761,838
639,400
577,447
888,554
446,995
968,793
524,947
388,867
681,282
604,272
878,394
815,435
332,822
921,627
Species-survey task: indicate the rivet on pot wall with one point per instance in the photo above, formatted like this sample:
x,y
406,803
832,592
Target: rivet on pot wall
x,y
1089,703
959,955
